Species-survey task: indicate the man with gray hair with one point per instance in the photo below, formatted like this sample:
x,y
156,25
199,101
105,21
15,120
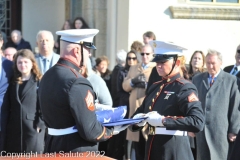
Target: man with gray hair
x,y
218,92
46,58
17,41
121,60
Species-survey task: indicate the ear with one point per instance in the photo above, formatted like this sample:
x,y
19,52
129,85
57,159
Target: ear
x,y
76,51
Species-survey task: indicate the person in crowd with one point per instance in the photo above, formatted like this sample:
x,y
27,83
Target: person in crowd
x,y
171,107
9,53
25,128
136,83
118,146
46,58
219,94
103,96
101,68
5,40
5,76
148,36
234,69
17,41
66,25
120,59
79,23
136,46
69,112
196,64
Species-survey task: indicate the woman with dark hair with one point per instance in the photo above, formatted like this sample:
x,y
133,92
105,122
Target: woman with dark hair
x,y
131,60
25,128
196,64
101,68
66,25
79,23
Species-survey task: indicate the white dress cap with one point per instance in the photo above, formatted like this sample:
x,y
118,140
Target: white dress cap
x,y
165,50
77,35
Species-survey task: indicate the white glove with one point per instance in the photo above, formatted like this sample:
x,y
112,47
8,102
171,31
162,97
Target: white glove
x,y
100,107
154,118
140,115
118,129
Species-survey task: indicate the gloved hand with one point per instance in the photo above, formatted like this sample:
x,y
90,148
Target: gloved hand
x,y
154,118
100,107
140,115
138,79
118,129
140,85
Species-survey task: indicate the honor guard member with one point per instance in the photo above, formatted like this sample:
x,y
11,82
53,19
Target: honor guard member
x,y
67,98
172,107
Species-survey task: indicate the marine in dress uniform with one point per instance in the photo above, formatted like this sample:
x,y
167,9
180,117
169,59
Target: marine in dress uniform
x,y
172,108
67,98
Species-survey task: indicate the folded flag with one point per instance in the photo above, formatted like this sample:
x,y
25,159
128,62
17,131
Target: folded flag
x,y
111,114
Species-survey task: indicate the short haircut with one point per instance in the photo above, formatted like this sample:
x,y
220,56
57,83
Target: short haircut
x,y
214,52
16,31
42,31
121,56
150,34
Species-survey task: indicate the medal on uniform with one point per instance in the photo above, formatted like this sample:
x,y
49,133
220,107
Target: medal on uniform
x,y
169,93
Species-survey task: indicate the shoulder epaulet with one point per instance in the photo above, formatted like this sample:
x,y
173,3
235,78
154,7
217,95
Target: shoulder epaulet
x,y
182,80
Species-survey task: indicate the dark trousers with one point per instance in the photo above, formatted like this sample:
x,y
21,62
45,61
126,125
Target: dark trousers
x,y
116,145
140,148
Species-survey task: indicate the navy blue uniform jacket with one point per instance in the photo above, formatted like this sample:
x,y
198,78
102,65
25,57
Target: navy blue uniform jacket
x,y
67,99
172,97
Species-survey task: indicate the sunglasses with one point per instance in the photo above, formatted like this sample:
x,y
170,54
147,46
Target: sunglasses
x,y
142,54
133,58
238,51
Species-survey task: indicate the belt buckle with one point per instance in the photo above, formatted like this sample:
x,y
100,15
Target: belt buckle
x,y
151,130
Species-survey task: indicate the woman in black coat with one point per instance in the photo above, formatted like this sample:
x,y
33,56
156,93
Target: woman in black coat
x,y
25,129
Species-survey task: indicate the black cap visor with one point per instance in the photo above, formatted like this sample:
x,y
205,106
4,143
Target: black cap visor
x,y
85,44
89,45
163,57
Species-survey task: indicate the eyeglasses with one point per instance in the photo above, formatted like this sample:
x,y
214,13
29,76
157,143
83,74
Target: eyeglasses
x,y
238,51
133,58
142,54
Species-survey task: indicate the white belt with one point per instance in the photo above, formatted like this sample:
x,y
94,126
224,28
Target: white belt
x,y
164,131
59,132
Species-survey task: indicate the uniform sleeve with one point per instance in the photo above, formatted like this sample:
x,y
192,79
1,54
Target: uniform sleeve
x,y
140,109
188,103
234,114
81,100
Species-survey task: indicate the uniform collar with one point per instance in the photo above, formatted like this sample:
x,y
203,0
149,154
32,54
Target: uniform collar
x,y
171,79
69,63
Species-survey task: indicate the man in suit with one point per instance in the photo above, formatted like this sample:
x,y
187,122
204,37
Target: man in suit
x,y
17,41
218,92
46,58
234,69
5,75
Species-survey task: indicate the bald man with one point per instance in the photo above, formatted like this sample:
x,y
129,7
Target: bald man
x,y
9,53
17,41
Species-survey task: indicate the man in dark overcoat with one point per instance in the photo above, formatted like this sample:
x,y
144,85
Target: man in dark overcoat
x,y
67,98
218,92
